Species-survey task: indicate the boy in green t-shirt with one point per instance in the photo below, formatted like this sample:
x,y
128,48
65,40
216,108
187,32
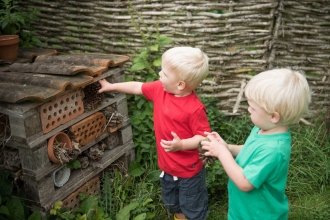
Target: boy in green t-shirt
x,y
258,174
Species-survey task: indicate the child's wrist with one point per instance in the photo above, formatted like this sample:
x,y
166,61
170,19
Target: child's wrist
x,y
228,147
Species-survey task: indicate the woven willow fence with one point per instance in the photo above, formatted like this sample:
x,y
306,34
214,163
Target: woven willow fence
x,y
241,38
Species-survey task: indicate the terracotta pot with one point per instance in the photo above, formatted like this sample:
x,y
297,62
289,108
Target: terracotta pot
x,y
9,47
59,137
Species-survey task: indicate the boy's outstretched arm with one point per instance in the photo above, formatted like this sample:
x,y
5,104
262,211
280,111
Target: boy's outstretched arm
x,y
181,144
134,88
217,147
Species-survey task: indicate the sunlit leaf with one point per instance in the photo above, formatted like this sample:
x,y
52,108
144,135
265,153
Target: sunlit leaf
x,y
154,47
124,213
164,40
138,66
157,62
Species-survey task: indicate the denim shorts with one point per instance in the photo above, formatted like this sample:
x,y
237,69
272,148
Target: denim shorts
x,y
186,195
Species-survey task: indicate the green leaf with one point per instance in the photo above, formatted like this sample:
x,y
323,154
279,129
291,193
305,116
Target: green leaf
x,y
137,59
81,217
4,210
99,215
135,169
6,186
138,66
144,53
147,201
157,62
141,102
35,216
124,213
150,215
154,47
141,216
15,208
153,176
88,207
164,40
36,41
4,24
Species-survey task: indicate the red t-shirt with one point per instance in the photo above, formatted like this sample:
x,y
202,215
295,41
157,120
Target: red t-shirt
x,y
186,116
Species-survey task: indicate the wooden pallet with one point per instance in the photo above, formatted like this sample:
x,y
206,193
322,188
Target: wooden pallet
x,y
29,137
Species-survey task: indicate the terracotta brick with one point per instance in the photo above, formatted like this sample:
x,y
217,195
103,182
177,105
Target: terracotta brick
x,y
88,129
61,110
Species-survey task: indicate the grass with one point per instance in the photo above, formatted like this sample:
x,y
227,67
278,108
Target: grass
x,y
314,206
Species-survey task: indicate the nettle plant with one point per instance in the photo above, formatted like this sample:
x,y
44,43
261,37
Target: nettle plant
x,y
14,21
146,62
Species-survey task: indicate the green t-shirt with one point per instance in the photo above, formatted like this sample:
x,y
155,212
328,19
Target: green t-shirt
x,y
265,162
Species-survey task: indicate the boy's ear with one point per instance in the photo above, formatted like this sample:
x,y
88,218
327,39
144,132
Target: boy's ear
x,y
275,117
181,85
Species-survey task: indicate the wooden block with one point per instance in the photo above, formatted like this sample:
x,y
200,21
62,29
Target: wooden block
x,y
34,159
127,158
11,159
39,191
121,107
112,140
25,126
125,134
117,77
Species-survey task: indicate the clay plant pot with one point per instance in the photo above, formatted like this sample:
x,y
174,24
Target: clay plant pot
x,y
9,47
59,137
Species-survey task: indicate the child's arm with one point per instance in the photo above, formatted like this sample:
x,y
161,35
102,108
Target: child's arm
x,y
181,144
134,88
234,149
217,147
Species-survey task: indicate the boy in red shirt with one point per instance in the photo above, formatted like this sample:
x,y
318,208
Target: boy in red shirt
x,y
179,122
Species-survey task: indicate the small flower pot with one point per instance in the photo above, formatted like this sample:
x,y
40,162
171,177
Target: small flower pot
x,y
58,138
9,47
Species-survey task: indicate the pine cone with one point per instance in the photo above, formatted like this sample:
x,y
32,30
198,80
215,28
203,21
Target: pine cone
x,y
206,159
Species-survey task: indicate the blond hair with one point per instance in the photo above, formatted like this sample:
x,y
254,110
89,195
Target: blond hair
x,y
190,64
280,90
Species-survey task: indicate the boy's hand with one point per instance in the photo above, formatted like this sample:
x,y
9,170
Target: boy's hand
x,y
103,83
215,146
214,134
172,146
